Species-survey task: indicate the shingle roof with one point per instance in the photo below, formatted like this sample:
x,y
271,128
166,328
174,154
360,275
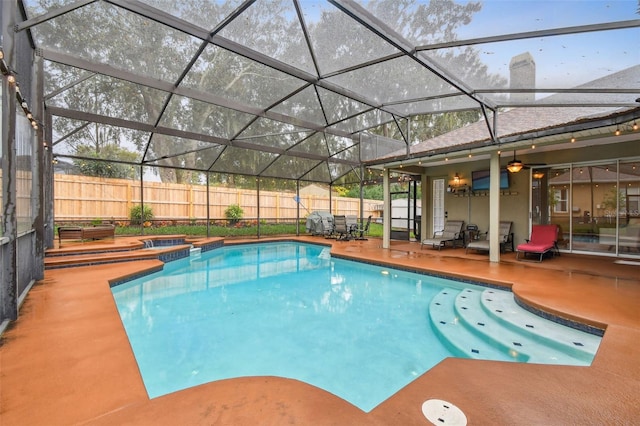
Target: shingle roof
x,y
531,119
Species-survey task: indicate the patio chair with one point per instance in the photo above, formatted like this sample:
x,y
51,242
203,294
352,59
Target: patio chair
x,y
327,226
505,237
543,239
340,228
360,231
352,224
452,233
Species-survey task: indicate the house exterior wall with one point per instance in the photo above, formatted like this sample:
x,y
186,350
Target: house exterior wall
x,y
473,207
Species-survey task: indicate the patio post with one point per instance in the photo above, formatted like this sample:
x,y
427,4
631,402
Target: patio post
x,y
494,207
386,210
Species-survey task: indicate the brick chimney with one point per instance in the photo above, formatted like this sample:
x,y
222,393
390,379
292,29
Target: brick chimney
x,y
523,76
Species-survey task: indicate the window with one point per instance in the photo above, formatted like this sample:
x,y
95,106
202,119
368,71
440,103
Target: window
x,y
561,197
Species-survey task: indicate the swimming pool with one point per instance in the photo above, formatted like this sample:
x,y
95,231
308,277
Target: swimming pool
x,y
359,331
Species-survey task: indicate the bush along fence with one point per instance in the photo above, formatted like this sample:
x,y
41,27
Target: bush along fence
x,y
85,199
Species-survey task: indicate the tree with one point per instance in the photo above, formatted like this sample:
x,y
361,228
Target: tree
x,y
108,169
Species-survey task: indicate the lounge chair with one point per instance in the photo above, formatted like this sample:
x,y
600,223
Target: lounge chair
x,y
340,228
452,233
544,239
505,236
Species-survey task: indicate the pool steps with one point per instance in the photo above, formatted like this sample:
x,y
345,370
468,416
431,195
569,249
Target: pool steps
x,y
163,248
489,324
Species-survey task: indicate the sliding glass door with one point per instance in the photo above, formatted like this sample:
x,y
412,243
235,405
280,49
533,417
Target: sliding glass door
x,y
596,205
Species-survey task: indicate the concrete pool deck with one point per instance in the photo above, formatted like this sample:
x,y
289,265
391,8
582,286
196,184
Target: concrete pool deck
x,y
67,359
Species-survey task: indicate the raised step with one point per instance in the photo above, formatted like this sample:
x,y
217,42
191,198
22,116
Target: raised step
x,y
460,340
502,306
492,317
165,254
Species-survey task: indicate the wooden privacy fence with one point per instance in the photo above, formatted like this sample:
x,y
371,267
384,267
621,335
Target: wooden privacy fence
x,y
86,198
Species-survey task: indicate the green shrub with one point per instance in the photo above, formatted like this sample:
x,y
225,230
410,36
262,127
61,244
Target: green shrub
x,y
233,213
137,216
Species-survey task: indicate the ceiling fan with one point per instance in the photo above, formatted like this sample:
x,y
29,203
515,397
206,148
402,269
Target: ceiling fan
x,y
515,165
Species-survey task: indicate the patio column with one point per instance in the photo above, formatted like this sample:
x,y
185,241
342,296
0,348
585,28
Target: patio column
x,y
8,219
424,203
386,210
494,207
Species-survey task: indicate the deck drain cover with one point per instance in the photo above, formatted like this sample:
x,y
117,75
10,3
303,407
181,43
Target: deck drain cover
x,y
441,412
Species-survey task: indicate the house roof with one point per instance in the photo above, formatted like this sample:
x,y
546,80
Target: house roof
x,y
515,124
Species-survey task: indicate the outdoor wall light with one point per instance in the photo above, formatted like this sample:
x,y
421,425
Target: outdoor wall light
x,y
456,185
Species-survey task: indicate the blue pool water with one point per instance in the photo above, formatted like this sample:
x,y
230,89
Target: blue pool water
x,y
359,331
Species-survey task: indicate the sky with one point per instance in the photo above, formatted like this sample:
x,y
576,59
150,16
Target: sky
x,y
561,61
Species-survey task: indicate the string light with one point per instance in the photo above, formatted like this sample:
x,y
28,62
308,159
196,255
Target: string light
x,y
11,78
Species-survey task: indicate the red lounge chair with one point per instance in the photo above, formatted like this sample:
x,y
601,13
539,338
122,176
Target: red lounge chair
x,y
543,239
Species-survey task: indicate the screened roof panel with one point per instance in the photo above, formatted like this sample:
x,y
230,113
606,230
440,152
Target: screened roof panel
x,y
290,167
162,146
314,144
338,170
351,154
266,127
337,144
428,106
338,107
239,79
305,79
375,146
304,105
195,160
350,177
205,14
61,76
279,141
192,115
395,80
320,173
111,97
272,28
559,62
143,46
492,17
251,162
84,139
338,41
363,121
